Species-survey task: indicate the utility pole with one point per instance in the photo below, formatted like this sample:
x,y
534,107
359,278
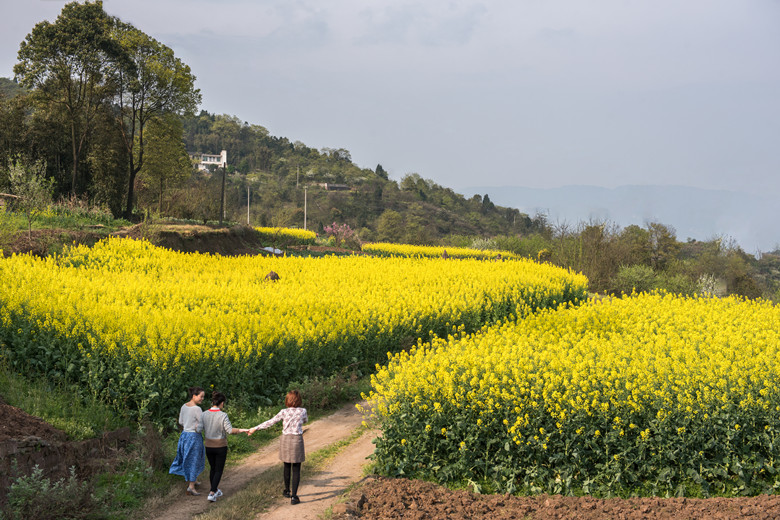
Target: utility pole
x,y
222,196
305,205
247,203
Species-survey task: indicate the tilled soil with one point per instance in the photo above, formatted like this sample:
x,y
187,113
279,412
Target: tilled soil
x,y
16,424
385,498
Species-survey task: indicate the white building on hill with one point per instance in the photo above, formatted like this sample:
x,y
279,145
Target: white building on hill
x,y
205,160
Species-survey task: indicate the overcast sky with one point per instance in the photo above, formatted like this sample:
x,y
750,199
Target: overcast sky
x,y
538,93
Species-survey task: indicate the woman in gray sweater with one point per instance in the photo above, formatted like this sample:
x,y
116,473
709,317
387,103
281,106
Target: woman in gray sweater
x,y
217,427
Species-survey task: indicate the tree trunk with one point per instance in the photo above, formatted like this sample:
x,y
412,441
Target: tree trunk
x,y
130,195
75,159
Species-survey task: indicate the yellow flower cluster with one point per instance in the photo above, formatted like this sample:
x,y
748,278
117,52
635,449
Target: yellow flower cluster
x,y
386,249
640,376
131,320
298,234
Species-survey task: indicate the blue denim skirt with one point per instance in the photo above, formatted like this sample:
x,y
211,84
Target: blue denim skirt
x,y
190,458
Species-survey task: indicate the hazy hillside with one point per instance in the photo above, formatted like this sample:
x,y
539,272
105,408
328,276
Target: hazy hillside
x,y
693,212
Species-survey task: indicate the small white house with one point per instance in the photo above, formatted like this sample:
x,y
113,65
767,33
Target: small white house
x,y
205,160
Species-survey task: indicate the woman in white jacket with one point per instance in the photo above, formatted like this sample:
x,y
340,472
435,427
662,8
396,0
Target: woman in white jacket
x,y
291,450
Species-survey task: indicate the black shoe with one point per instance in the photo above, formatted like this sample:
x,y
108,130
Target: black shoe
x,y
286,493
294,500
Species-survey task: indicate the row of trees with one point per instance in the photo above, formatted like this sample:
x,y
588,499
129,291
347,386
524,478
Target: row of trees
x,y
100,100
618,260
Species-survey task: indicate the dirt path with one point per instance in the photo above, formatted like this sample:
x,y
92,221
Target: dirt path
x,y
317,435
321,491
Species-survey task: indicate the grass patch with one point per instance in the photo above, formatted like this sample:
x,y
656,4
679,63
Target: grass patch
x,y
64,216
330,392
79,417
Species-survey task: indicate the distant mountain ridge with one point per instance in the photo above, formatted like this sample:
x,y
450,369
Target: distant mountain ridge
x,y
702,214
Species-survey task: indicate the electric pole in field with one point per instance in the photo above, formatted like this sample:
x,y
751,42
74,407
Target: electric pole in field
x,y
222,196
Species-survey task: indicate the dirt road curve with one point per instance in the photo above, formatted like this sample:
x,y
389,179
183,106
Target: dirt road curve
x,y
317,435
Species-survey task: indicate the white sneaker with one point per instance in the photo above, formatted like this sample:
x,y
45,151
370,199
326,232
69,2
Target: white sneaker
x,y
218,493
213,498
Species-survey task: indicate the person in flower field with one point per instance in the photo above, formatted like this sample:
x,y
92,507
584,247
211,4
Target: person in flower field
x,y
291,450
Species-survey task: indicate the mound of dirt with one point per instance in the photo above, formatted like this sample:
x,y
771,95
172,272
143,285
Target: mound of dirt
x,y
385,498
189,238
16,424
27,441
41,241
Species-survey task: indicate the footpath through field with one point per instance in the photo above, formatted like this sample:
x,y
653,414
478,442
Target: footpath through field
x,y
323,489
317,492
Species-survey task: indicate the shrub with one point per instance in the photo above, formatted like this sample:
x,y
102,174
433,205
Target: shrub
x,y
343,235
706,284
510,243
484,243
677,284
325,393
35,496
639,278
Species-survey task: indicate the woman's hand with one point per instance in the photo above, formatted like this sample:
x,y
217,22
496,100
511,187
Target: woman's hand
x,y
250,431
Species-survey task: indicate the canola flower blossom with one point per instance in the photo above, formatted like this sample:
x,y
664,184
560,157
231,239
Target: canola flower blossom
x,y
137,324
657,393
305,236
387,249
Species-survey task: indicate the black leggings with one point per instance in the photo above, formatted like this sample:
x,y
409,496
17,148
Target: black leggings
x,y
295,468
217,457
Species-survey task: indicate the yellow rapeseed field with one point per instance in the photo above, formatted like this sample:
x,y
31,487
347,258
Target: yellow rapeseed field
x,y
653,393
137,324
387,249
295,233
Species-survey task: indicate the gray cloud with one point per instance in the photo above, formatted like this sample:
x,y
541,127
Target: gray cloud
x,y
543,93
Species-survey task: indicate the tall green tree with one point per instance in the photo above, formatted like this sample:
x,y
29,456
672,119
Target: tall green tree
x,y
663,244
167,163
390,226
151,83
13,127
64,63
634,244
